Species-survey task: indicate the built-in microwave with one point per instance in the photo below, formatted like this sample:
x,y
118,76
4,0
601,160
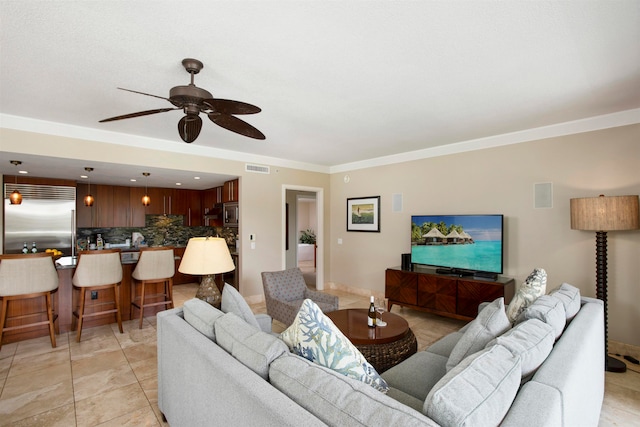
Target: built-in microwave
x,y
231,214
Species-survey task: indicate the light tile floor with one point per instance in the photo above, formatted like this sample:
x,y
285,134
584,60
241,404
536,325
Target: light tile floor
x,y
110,379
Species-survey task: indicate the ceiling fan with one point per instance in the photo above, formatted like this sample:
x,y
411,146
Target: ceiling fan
x,y
193,101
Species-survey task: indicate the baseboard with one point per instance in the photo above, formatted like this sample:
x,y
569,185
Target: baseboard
x,y
616,347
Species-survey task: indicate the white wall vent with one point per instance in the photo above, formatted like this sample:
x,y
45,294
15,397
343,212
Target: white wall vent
x,y
257,168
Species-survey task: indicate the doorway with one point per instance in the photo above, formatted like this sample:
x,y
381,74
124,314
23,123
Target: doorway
x,y
302,215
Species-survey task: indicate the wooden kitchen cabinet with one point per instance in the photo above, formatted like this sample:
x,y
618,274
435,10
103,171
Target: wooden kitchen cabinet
x,y
189,204
163,201
230,191
136,208
447,295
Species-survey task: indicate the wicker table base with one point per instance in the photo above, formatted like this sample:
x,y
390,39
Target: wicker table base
x,y
383,347
385,356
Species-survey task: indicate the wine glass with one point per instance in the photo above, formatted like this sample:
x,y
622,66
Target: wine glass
x,y
381,307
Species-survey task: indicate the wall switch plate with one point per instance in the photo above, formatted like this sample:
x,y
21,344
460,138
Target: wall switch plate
x,y
253,245
339,241
252,237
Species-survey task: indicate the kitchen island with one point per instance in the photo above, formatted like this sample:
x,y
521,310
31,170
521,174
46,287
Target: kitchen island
x,y
65,300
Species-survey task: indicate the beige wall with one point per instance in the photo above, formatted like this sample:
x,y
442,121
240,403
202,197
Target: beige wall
x,y
498,180
501,180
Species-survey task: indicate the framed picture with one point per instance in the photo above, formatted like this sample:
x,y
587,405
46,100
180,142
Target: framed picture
x,y
363,214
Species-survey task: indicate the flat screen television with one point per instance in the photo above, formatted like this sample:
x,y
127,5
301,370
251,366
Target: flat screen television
x,y
458,244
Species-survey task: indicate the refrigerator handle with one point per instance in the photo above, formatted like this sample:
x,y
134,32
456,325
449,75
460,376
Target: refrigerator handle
x,y
73,233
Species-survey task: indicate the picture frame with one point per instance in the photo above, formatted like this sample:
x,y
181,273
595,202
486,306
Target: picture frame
x,y
363,214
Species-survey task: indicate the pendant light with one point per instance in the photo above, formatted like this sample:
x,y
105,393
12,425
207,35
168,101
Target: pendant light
x,y
89,199
16,198
146,200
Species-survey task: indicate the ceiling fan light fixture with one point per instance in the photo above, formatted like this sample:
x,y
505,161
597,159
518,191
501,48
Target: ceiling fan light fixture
x,y
189,128
15,198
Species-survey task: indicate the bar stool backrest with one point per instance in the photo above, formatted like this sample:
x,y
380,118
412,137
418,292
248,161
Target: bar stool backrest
x,y
97,268
22,274
155,263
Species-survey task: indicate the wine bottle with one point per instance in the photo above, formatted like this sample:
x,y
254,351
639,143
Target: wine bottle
x,y
34,248
25,249
371,320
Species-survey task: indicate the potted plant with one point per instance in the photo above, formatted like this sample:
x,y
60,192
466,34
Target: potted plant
x,y
308,236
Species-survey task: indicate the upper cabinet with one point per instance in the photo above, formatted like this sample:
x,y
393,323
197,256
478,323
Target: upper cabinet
x,y
189,205
230,191
163,201
114,206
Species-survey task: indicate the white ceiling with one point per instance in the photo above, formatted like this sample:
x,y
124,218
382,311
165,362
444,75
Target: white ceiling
x,y
339,82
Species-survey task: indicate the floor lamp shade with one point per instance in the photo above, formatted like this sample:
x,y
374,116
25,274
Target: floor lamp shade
x,y
207,256
605,213
602,214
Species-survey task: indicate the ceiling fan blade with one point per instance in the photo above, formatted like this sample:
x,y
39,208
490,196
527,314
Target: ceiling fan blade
x,y
227,106
189,128
142,93
236,125
138,114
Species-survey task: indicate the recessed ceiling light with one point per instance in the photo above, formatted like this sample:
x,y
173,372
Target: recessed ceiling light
x,y
178,183
23,172
84,176
132,180
196,177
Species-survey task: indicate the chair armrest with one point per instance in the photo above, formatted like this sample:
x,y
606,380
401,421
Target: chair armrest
x,y
322,297
264,320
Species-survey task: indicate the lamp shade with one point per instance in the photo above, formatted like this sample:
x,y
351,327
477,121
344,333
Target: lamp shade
x,y
206,255
605,213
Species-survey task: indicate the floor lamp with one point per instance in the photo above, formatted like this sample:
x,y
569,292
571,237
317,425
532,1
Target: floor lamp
x,y
602,214
207,256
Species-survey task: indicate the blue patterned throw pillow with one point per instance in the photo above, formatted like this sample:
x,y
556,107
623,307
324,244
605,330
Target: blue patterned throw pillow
x,y
314,336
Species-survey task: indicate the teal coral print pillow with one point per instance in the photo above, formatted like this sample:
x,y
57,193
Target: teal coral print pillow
x,y
314,336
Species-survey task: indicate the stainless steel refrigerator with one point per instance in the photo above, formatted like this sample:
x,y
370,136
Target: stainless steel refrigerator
x,y
46,216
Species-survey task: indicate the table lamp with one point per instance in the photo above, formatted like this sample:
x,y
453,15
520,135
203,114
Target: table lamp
x,y
602,214
207,256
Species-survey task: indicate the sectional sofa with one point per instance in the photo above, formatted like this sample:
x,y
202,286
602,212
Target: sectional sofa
x,y
217,368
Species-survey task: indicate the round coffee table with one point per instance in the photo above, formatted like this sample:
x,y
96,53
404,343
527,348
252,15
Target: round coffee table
x,y
383,347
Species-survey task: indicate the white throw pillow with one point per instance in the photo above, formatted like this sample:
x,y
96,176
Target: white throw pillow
x,y
491,322
315,337
534,286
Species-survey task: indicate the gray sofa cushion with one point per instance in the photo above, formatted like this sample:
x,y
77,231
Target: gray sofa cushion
x,y
254,348
417,374
202,316
337,399
531,341
478,391
491,322
548,309
570,297
445,345
233,302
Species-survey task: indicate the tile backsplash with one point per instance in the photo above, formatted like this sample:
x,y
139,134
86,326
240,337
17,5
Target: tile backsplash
x,y
159,230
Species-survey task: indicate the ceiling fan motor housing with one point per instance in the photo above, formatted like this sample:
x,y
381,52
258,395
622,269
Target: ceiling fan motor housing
x,y
183,95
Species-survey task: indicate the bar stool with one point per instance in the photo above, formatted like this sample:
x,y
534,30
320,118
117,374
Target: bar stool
x,y
26,276
155,266
97,271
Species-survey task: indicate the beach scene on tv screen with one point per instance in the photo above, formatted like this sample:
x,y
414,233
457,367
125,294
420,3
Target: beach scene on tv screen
x,y
470,242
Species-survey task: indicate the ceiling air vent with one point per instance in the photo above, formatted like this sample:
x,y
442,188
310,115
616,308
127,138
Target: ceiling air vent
x,y
257,168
